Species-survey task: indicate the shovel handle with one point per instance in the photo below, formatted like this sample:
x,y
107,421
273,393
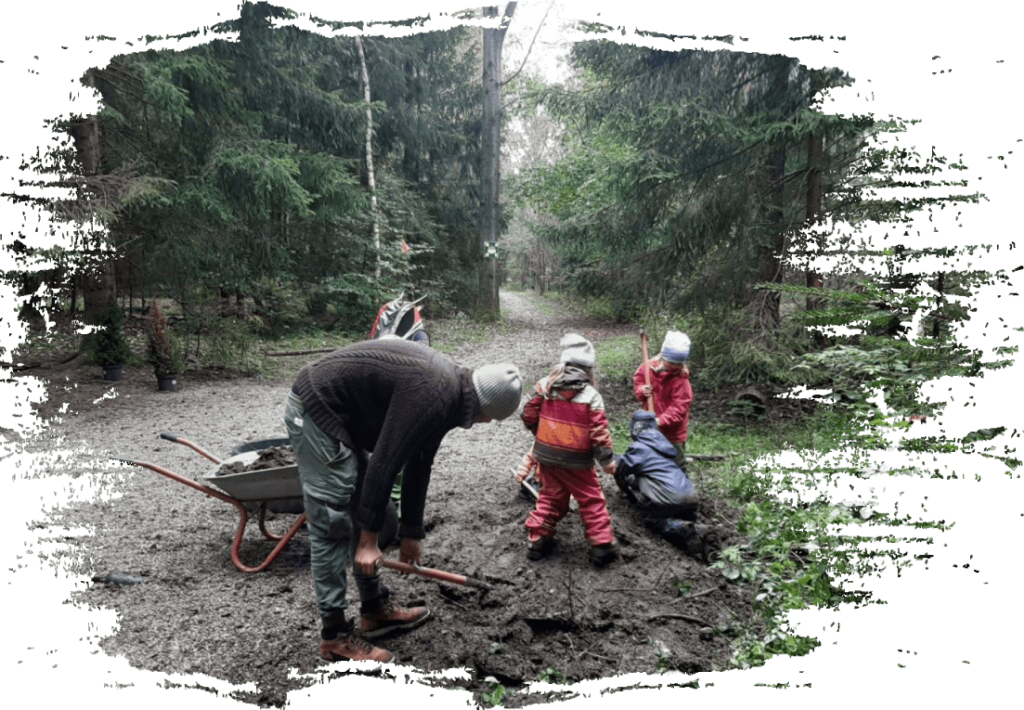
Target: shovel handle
x,y
437,574
647,370
174,438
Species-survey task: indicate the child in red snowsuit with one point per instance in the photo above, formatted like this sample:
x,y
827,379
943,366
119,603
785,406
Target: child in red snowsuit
x,y
566,413
670,389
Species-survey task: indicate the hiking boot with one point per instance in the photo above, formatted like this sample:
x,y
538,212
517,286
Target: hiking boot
x,y
349,647
602,555
391,618
711,545
540,548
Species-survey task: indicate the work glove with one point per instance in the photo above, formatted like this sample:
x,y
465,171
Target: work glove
x,y
527,466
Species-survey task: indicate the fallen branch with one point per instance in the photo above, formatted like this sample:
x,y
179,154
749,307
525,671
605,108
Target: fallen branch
x,y
281,353
682,617
694,596
627,589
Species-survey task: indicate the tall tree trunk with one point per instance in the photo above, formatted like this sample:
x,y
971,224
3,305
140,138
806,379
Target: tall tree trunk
x,y
490,161
772,251
815,144
98,278
773,247
369,156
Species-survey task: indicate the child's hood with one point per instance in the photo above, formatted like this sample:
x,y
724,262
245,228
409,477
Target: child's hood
x,y
655,440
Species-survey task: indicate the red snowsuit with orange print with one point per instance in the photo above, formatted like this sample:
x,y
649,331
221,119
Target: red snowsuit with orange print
x,y
567,416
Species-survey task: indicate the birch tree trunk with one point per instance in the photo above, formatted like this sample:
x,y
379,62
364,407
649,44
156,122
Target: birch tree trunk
x,y
369,157
490,160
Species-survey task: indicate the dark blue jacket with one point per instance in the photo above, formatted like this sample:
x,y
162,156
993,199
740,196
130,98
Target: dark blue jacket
x,y
651,460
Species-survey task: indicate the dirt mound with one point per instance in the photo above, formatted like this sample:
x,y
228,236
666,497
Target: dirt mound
x,y
274,457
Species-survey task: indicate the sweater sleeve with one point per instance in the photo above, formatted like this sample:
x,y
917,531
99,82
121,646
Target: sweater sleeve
x,y
409,436
414,490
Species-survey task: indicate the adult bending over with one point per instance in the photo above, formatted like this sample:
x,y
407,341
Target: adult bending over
x,y
396,400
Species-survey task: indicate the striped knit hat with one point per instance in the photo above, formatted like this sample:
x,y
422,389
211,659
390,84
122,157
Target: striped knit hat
x,y
676,347
577,350
499,388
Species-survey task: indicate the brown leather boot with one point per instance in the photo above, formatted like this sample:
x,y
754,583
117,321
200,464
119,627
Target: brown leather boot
x,y
349,647
390,618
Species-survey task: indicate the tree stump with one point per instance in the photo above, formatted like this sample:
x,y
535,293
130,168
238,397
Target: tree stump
x,y
750,403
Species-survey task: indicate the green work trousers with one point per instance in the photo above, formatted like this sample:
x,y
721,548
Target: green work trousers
x,y
328,471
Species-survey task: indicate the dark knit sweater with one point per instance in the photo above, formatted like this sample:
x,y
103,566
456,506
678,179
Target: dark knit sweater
x,y
396,399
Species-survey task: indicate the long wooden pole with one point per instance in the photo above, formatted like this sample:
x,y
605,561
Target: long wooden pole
x,y
647,371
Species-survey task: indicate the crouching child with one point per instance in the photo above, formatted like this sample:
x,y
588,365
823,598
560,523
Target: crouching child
x,y
660,491
566,415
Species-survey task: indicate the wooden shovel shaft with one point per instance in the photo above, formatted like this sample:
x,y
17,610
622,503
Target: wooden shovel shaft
x,y
647,371
434,574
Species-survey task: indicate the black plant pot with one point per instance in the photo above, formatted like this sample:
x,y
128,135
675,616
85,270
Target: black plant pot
x,y
167,384
112,373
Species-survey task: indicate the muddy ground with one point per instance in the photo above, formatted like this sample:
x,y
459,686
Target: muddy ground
x,y
656,608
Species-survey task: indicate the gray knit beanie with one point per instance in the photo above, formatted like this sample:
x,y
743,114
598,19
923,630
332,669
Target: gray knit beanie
x,y
499,388
676,347
577,350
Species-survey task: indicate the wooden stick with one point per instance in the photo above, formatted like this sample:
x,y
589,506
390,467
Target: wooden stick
x,y
683,617
694,596
281,353
647,371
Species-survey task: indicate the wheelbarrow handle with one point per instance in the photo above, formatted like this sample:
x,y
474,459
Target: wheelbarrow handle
x,y
167,436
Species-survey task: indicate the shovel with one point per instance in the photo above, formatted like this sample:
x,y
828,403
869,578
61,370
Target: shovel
x,y
647,371
437,574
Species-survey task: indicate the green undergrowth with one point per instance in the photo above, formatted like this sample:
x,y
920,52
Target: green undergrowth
x,y
797,550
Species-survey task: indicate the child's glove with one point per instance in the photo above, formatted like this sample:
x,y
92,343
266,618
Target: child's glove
x,y
526,467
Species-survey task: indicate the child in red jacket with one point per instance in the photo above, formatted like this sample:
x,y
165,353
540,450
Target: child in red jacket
x,y
567,416
670,389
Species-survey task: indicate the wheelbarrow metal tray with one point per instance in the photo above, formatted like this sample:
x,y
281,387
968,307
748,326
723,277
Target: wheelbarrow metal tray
x,y
263,485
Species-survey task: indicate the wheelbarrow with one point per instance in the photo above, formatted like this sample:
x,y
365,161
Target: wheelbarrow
x,y
275,489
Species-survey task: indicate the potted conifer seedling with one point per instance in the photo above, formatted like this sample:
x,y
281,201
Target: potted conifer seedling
x,y
109,347
160,349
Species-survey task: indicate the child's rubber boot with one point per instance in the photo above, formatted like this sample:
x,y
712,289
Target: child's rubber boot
x,y
539,548
603,555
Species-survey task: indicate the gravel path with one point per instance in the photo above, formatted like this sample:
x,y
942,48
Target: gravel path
x,y
211,619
